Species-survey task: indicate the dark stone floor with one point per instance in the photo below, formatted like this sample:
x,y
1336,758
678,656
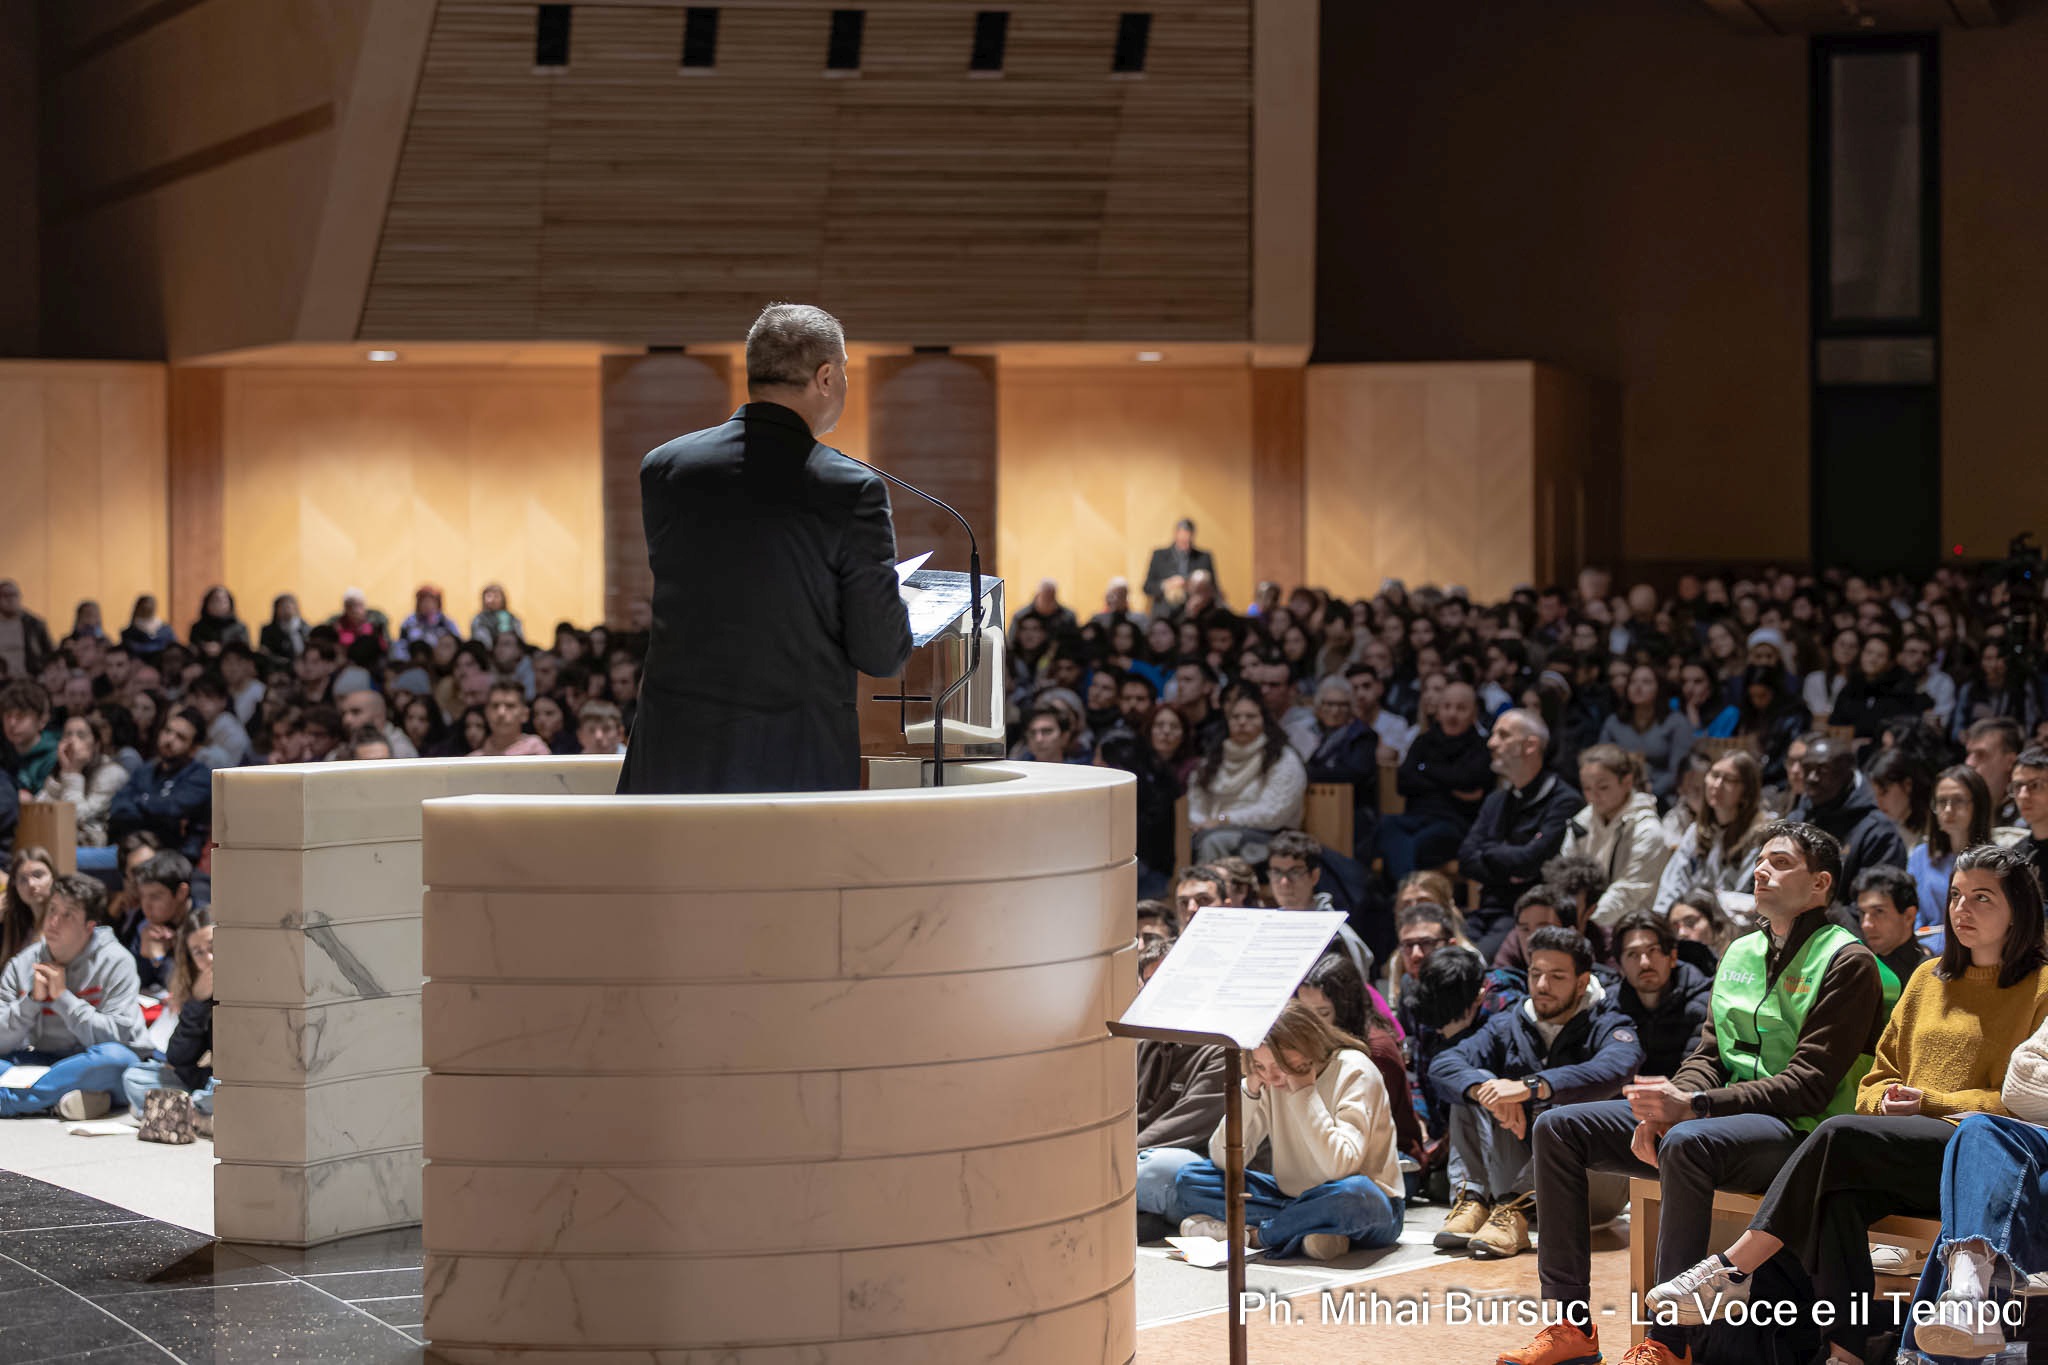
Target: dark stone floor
x,y
88,1282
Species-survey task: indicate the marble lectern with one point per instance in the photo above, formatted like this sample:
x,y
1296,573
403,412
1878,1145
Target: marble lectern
x,y
769,1079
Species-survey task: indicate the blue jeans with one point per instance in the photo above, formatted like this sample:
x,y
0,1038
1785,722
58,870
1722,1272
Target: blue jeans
x,y
99,1067
138,1081
1409,841
1994,1189
1157,1167
1354,1207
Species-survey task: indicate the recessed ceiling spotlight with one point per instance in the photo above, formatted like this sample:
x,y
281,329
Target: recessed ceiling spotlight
x,y
1151,357
383,355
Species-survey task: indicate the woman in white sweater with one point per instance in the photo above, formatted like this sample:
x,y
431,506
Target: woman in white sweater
x,y
1249,787
87,776
1336,1181
1994,1220
1618,829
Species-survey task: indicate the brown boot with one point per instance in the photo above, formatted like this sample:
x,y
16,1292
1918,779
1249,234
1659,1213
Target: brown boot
x,y
1507,1230
1468,1215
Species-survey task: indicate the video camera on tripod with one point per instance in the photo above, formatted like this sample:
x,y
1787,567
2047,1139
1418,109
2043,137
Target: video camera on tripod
x,y
2021,573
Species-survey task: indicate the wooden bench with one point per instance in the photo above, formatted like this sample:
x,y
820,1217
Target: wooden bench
x,y
1646,1196
52,825
1391,800
1326,814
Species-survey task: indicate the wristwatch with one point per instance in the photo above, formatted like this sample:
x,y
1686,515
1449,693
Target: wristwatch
x,y
1536,1086
1699,1104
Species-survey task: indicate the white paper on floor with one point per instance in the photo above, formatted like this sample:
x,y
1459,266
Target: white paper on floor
x,y
1206,1252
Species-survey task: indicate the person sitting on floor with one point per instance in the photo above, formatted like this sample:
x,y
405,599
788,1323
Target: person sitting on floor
x,y
1943,1054
69,1002
1336,1180
185,1064
1180,1102
1563,1046
1777,1054
163,891
1667,998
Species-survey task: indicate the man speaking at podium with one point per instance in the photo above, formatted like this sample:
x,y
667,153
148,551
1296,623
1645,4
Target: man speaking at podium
x,y
774,581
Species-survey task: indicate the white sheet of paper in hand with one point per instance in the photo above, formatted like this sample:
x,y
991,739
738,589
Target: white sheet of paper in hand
x,y
21,1077
910,566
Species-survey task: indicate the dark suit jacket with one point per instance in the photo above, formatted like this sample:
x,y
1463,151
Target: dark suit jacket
x,y
1169,562
774,581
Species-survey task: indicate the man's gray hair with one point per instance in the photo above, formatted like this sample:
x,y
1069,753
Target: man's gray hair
x,y
1531,724
789,341
1333,688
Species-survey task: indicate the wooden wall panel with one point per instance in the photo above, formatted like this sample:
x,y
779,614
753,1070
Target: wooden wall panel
x,y
920,205
1421,472
82,479
1097,464
383,479
932,423
197,488
648,399
1279,494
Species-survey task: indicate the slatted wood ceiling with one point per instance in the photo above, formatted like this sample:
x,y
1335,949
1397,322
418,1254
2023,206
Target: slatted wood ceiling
x,y
623,199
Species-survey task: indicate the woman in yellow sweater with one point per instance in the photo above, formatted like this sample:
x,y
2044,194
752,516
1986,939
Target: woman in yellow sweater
x,y
1336,1180
1942,1056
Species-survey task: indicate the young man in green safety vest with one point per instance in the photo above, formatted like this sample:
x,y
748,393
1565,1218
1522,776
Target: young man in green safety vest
x,y
1797,1009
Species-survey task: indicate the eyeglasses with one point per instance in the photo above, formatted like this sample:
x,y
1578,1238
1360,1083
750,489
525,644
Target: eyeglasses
x,y
1423,944
1279,873
2022,788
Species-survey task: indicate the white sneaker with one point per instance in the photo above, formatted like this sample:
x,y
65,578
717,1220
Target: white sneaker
x,y
78,1105
1202,1225
1890,1260
1966,1328
1692,1292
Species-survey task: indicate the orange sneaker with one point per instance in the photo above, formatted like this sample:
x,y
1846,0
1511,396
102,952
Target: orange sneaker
x,y
1648,1352
1558,1344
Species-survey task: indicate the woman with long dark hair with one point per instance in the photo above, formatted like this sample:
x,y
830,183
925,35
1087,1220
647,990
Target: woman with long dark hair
x,y
217,626
1336,994
147,634
1942,1055
1960,817
1903,788
1646,725
29,878
1718,853
1770,717
1250,785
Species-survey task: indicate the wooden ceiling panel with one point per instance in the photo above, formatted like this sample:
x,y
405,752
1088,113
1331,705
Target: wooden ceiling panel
x,y
622,198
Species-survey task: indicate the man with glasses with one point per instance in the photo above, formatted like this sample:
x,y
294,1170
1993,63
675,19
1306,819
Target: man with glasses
x,y
2030,795
1293,864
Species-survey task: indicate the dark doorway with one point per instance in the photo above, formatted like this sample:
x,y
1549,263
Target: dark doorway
x,y
1876,485
1876,477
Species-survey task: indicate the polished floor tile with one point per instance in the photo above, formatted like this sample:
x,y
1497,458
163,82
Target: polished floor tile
x,y
81,1280
288,1321
130,1258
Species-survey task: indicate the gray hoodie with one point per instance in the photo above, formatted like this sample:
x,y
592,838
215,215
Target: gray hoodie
x,y
100,1003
